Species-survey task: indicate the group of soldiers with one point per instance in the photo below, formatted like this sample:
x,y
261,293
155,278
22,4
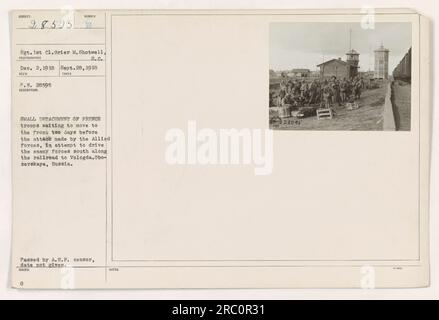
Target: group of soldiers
x,y
323,92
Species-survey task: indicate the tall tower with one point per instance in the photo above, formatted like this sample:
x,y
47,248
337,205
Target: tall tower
x,y
353,59
381,63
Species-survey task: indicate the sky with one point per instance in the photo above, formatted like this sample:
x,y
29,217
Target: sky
x,y
305,45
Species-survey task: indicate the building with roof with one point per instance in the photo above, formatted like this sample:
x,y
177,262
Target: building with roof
x,y
336,68
381,63
299,73
339,68
353,59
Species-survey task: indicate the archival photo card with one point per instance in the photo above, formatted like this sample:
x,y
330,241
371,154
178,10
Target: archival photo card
x,y
143,155
340,76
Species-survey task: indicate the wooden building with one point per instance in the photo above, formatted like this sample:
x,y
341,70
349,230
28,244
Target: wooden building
x,y
339,68
335,68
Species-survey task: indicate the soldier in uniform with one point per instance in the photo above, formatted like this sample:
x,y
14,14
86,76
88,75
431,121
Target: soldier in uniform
x,y
335,92
271,100
303,89
282,93
343,85
313,92
357,88
327,93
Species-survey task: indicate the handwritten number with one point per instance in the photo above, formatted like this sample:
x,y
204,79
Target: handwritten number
x,y
53,24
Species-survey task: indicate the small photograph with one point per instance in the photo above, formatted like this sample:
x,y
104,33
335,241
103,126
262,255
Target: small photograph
x,y
340,76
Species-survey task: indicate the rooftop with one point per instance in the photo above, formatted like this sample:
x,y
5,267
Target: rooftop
x,y
300,70
381,48
332,60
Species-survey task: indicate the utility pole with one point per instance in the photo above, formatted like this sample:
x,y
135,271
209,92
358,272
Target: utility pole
x,y
350,39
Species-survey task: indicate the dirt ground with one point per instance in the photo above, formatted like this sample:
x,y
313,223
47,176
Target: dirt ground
x,y
401,105
367,117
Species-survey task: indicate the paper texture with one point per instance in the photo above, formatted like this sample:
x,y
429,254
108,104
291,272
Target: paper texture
x,y
220,149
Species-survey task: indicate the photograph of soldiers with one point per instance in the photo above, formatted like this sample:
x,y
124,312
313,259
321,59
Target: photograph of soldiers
x,y
335,76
